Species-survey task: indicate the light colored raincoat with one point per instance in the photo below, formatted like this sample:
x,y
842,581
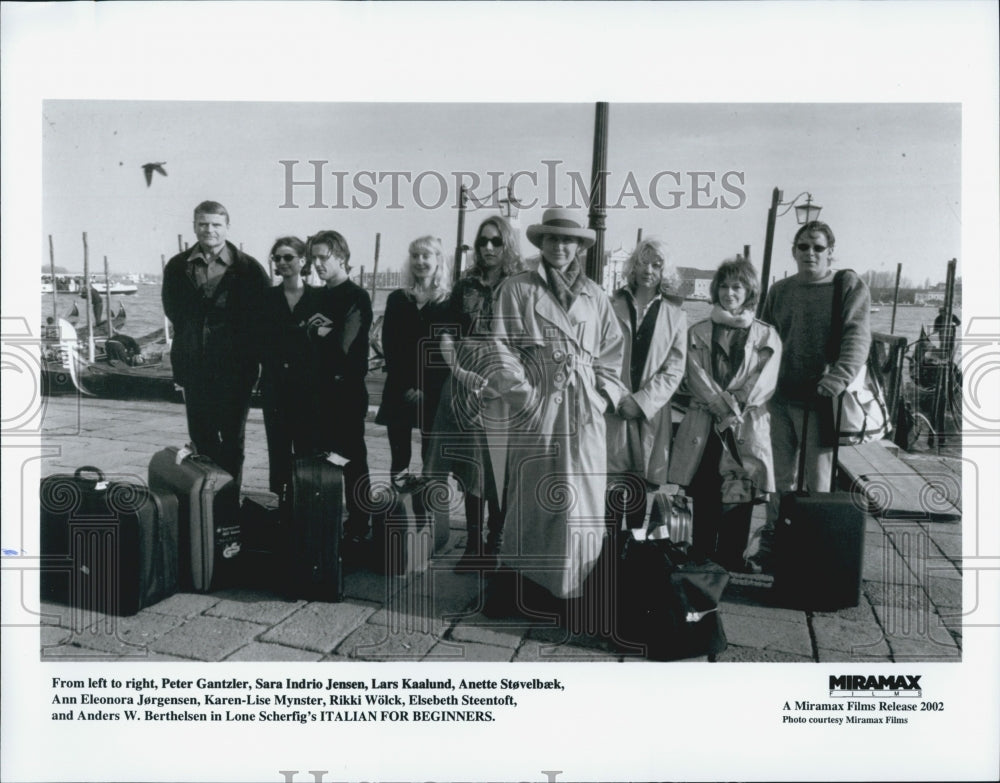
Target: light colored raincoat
x,y
557,373
661,375
752,386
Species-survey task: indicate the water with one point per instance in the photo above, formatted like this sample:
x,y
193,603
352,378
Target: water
x,y
145,312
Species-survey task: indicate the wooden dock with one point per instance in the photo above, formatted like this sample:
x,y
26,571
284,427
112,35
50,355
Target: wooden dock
x,y
924,486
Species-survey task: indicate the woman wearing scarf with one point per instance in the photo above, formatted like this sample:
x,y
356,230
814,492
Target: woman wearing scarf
x,y
732,371
557,372
458,446
655,328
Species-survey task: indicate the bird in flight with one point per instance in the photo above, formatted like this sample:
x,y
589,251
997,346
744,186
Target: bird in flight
x,y
149,168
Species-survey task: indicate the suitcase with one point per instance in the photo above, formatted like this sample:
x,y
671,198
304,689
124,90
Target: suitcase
x,y
819,543
312,527
208,516
106,546
407,526
261,537
668,599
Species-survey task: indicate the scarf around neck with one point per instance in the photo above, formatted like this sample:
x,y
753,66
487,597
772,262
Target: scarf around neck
x,y
725,318
566,284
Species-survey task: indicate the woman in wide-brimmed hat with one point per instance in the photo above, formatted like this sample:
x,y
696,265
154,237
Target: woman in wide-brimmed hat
x,y
558,364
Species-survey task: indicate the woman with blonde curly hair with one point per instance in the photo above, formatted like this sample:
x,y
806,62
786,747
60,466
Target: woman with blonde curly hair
x,y
649,312
414,379
459,446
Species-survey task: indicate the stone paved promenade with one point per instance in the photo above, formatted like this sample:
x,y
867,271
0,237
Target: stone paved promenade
x,y
910,610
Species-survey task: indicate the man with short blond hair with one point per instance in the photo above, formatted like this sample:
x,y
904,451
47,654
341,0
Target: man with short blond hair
x,y
213,295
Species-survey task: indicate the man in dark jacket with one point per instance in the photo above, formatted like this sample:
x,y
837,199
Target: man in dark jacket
x,y
341,332
213,295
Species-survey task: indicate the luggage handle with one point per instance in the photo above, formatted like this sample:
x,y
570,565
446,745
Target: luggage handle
x,y
836,446
78,473
100,482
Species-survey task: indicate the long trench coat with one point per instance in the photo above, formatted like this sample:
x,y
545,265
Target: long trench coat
x,y
661,375
752,385
556,374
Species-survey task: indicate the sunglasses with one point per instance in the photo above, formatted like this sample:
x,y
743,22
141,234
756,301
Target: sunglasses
x,y
805,246
284,257
491,241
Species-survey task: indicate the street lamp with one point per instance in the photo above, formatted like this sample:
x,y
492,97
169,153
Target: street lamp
x,y
509,207
804,213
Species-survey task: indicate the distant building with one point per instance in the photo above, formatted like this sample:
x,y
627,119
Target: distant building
x,y
935,296
696,283
614,265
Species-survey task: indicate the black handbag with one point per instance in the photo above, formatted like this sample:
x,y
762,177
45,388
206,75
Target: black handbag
x,y
668,600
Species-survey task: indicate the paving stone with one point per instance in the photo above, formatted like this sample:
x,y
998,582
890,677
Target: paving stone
x,y
739,607
471,653
947,540
264,612
560,635
372,642
945,592
59,644
184,604
365,585
749,631
319,626
862,613
66,616
846,637
431,602
335,657
868,655
208,638
736,654
128,636
916,635
258,651
564,653
481,630
904,596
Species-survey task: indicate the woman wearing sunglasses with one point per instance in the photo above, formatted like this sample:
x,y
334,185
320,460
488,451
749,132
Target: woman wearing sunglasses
x,y
459,446
288,363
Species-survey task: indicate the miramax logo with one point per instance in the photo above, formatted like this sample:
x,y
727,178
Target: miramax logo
x,y
855,685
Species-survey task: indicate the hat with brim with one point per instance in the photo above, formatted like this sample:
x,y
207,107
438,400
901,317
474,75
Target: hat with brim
x,y
560,223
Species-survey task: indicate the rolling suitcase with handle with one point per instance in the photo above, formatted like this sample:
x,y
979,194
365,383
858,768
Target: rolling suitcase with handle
x,y
312,526
208,508
107,546
819,542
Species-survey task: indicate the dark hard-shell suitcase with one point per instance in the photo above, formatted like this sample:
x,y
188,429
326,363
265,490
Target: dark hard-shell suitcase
x,y
107,546
408,526
313,522
208,508
261,534
819,544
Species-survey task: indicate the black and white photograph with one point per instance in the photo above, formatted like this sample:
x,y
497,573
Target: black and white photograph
x,y
384,388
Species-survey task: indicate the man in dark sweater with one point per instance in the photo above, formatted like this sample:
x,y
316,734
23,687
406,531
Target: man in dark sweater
x,y
801,308
213,295
342,336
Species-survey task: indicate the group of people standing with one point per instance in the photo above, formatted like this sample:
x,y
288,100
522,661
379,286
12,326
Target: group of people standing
x,y
539,394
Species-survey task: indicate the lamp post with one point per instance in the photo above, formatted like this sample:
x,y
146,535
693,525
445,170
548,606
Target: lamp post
x,y
509,207
804,213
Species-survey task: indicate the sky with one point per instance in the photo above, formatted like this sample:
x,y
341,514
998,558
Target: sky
x,y
699,175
